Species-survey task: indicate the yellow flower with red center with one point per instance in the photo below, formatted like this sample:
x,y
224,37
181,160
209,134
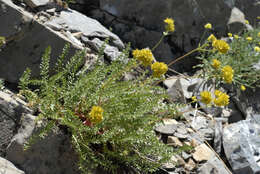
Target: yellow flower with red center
x,y
206,97
96,114
144,55
169,27
227,74
208,26
159,69
215,63
221,46
222,99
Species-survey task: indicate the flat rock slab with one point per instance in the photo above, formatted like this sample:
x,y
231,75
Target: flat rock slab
x,y
6,167
242,146
36,3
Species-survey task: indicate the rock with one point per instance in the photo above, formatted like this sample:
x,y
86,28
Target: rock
x,y
242,146
36,3
202,153
236,22
214,166
191,165
174,141
168,129
51,155
185,156
169,121
28,36
6,167
11,110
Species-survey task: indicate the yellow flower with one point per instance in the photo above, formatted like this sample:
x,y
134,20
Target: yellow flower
x,y
258,34
212,38
249,38
221,46
222,99
246,22
236,36
257,49
258,17
169,27
215,63
206,97
243,88
96,114
208,26
143,55
159,68
227,74
194,99
229,34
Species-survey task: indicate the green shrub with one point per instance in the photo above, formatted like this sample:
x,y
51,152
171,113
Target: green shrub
x,y
110,120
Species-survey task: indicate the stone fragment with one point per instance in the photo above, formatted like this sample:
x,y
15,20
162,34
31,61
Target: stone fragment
x,y
174,141
36,3
214,166
242,146
191,165
168,129
169,121
202,153
6,167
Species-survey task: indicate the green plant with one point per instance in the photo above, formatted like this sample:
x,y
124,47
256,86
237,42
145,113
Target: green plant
x,y
111,121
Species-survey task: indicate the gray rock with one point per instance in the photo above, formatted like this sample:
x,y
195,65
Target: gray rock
x,y
11,110
213,166
36,3
242,146
6,167
168,129
52,155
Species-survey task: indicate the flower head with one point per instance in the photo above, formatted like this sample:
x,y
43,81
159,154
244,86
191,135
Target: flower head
x,y
96,114
169,27
246,22
2,41
215,63
208,26
212,38
243,88
194,99
258,17
257,49
249,38
258,34
221,46
236,36
143,55
222,99
227,74
159,68
229,34
206,97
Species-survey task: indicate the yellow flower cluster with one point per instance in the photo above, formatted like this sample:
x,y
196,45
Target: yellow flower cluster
x,y
208,26
144,55
246,22
2,41
227,74
249,38
236,36
257,49
215,63
159,68
212,38
258,34
206,97
169,27
229,34
243,88
221,46
96,114
222,99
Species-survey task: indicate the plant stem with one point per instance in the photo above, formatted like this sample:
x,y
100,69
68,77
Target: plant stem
x,y
159,42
